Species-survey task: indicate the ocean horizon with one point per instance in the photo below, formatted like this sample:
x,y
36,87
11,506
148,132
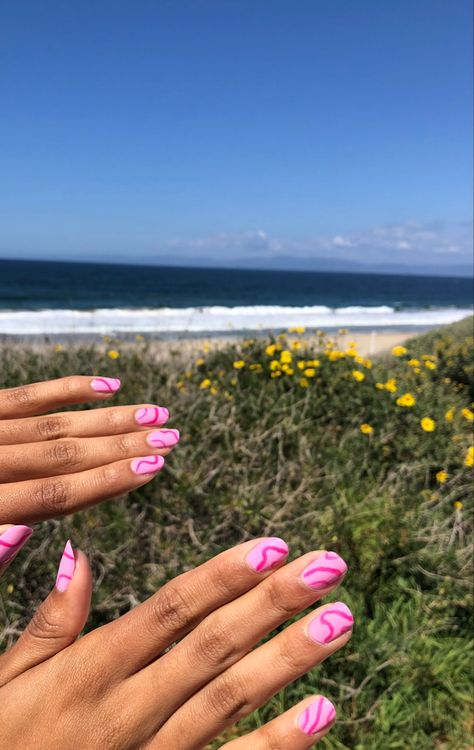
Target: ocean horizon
x,y
66,298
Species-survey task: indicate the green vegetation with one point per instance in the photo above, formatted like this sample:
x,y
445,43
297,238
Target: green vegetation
x,y
285,454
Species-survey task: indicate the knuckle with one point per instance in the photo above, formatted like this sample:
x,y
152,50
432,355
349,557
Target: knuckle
x,y
51,428
65,453
124,445
72,385
115,420
276,739
52,496
227,699
294,660
279,598
108,476
44,626
215,643
170,610
24,395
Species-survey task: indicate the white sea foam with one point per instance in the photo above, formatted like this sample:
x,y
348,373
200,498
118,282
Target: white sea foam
x,y
217,319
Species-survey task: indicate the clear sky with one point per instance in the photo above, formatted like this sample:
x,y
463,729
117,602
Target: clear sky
x,y
137,130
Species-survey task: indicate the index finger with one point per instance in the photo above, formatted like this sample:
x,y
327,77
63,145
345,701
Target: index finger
x,y
38,398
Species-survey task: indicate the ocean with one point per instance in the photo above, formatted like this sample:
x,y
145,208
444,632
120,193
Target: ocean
x,y
53,298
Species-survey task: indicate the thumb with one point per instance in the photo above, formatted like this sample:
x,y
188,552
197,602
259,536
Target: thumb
x,y
58,620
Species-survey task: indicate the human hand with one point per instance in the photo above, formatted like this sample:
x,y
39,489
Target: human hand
x,y
55,464
178,669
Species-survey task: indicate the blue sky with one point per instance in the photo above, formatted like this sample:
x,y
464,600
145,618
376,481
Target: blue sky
x,y
230,128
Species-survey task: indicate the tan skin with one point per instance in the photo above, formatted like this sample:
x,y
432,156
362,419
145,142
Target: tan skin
x,y
176,671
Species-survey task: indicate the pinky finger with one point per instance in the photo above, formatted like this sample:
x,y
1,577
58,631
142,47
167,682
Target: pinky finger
x,y
12,539
297,729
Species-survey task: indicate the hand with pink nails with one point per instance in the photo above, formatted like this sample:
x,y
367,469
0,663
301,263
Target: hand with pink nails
x,y
176,671
52,464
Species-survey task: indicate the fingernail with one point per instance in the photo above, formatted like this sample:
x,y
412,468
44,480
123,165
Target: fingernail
x,y
324,571
152,415
105,385
163,438
147,464
67,566
334,621
267,554
12,540
317,716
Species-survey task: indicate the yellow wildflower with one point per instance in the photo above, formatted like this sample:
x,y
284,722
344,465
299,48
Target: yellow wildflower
x,y
180,385
468,414
343,331
367,363
199,362
206,383
430,365
391,385
351,352
441,476
458,505
380,386
256,366
301,364
286,357
414,362
366,429
296,344
406,400
314,363
276,374
288,370
399,351
297,329
214,390
417,370
310,372
427,357
10,588
303,382
270,350
333,356
428,424
233,381
469,458
58,348
206,347
359,359
358,375
449,415
113,354
238,364
274,364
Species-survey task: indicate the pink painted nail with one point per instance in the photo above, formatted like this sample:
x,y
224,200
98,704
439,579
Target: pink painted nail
x,y
267,554
163,438
334,621
147,464
12,540
152,415
105,385
324,571
66,568
317,716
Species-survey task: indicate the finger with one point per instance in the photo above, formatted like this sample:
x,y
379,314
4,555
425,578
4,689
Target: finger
x,y
258,676
12,539
40,499
111,420
183,602
297,729
57,622
230,632
38,460
38,398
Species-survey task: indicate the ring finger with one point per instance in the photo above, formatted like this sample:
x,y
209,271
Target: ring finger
x,y
56,457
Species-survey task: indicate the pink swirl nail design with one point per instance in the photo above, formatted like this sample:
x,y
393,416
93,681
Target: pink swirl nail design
x,y
105,385
66,568
147,464
152,415
317,716
324,571
267,554
12,540
163,438
334,621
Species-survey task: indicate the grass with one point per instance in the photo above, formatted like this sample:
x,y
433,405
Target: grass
x,y
284,454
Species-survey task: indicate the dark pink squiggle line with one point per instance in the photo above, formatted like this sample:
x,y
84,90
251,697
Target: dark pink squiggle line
x,y
265,551
322,568
154,419
304,721
340,613
109,387
13,546
70,557
147,463
318,716
63,575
